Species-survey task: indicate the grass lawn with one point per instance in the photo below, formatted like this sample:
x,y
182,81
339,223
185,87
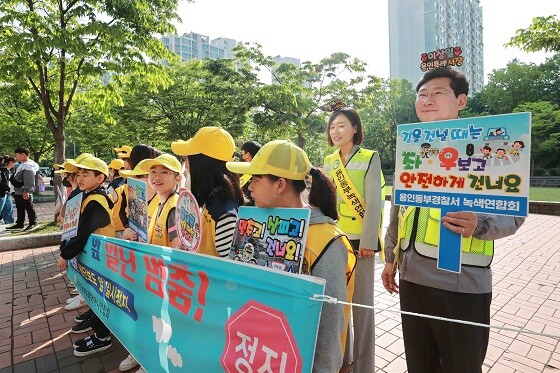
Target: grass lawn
x,y
544,194
535,194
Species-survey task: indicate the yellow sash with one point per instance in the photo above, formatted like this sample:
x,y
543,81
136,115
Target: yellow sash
x,y
353,199
244,179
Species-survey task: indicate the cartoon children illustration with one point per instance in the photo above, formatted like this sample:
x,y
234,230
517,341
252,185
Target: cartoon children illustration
x,y
424,150
501,154
486,152
518,146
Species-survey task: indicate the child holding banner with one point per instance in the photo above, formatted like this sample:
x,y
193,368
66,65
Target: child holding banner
x,y
360,195
164,176
278,173
215,188
95,217
412,242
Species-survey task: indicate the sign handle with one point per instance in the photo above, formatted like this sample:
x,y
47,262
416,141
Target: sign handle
x,y
449,251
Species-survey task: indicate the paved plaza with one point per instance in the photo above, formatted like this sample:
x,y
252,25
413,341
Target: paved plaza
x,y
35,337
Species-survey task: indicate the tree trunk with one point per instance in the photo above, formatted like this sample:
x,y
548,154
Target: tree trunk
x,y
59,156
301,140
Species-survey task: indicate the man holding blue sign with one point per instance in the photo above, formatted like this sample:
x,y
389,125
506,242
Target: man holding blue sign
x,y
412,242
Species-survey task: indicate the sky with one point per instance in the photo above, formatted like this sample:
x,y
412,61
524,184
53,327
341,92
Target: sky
x,y
314,29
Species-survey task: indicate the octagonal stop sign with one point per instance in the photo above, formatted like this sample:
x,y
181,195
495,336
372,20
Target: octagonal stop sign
x,y
259,339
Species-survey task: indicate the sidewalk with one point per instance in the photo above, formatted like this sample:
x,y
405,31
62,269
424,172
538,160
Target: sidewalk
x,y
34,328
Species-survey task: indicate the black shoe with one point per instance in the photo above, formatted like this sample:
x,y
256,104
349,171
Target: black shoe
x,y
82,327
30,227
14,227
83,316
91,345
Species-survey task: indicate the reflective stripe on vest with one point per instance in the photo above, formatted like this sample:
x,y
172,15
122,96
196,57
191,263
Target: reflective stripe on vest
x,y
475,252
208,239
319,237
157,230
119,226
108,230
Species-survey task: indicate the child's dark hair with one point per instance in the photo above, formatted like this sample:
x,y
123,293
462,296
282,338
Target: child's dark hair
x,y
458,84
141,152
355,120
322,193
251,147
6,160
207,174
95,172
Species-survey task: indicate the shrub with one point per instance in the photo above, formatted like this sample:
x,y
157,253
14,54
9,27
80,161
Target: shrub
x,y
554,171
539,171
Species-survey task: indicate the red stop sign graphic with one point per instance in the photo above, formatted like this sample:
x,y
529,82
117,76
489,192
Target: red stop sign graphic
x,y
259,339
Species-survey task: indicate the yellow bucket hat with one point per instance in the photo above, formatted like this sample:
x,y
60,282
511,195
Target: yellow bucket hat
x,y
137,170
214,142
71,165
94,163
116,164
279,158
123,151
165,160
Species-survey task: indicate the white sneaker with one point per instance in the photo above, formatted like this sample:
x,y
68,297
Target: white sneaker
x,y
79,302
70,300
128,363
141,370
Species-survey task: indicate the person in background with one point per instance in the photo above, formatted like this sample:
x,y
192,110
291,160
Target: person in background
x,y
116,182
215,188
278,171
435,345
6,208
23,181
359,182
248,151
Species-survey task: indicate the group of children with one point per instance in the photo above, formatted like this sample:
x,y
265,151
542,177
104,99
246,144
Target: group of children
x,y
278,173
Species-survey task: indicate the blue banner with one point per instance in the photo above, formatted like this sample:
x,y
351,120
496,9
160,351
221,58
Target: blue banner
x,y
179,311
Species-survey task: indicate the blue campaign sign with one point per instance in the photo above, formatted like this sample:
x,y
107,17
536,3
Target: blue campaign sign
x,y
179,311
138,208
474,164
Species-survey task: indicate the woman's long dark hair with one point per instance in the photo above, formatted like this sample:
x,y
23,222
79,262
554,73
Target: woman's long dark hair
x,y
322,193
207,174
6,160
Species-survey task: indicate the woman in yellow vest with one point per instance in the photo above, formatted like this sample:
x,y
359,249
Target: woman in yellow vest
x,y
215,188
278,180
359,182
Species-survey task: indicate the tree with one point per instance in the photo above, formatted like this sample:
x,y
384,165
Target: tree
x,y
56,46
542,35
289,108
23,123
545,133
507,88
384,104
200,93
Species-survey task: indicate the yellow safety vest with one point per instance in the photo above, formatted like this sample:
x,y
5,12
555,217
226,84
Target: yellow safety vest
x,y
319,237
108,230
152,207
119,224
157,229
356,168
424,224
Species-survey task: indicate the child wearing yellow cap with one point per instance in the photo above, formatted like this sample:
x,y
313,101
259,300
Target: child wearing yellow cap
x,y
215,188
164,176
278,180
95,217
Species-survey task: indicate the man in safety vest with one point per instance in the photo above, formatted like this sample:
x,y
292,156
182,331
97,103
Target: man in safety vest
x,y
411,244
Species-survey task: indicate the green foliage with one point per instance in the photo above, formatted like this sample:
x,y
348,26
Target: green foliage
x,y
542,35
554,171
384,104
538,171
56,47
545,132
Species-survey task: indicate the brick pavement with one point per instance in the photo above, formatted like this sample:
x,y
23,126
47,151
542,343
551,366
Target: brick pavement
x,y
34,328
